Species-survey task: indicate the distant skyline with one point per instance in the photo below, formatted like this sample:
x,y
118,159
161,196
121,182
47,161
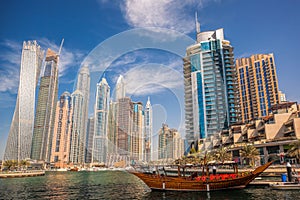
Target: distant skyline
x,y
268,26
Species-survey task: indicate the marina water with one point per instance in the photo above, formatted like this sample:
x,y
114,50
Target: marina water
x,y
115,185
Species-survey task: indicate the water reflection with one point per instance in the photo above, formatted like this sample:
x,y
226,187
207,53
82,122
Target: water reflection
x,y
115,185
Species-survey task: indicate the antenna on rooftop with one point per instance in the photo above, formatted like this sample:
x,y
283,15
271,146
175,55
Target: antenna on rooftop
x,y
61,44
197,23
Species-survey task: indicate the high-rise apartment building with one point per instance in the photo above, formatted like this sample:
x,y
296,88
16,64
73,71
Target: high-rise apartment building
x,y
77,126
282,97
211,102
112,128
137,139
83,85
258,85
89,140
46,107
80,99
124,126
62,131
148,132
99,152
170,144
19,140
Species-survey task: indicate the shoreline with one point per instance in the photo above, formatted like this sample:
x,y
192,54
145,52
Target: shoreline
x,y
20,174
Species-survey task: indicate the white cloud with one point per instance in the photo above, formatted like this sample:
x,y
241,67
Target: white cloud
x,y
172,14
10,66
149,79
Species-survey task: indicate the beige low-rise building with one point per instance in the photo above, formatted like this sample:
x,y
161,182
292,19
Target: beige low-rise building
x,y
271,134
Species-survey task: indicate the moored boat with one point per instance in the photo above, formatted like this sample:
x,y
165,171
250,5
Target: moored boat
x,y
157,181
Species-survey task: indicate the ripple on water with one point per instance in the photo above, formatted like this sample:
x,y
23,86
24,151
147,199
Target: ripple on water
x,y
115,185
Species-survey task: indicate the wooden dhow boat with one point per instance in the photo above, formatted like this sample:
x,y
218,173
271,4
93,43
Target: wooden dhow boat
x,y
157,181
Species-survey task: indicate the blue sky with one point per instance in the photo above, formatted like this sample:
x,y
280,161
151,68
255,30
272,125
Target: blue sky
x,y
110,37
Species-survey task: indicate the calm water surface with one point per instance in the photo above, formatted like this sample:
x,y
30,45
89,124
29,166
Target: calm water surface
x,y
115,185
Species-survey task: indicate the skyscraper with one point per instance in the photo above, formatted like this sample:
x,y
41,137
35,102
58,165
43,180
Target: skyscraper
x,y
258,85
112,128
80,101
137,139
148,132
62,131
19,140
77,126
46,107
124,126
99,152
83,85
120,88
210,85
89,142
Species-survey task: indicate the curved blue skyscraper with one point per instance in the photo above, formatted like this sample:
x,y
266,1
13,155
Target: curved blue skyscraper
x,y
210,85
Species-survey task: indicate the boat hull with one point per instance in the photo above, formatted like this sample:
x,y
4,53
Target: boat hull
x,y
158,182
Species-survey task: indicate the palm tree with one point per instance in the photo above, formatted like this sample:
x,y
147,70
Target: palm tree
x,y
222,154
24,164
294,150
250,153
10,164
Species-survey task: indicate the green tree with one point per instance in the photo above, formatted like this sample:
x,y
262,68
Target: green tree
x,y
10,164
24,164
250,153
294,150
222,154
193,150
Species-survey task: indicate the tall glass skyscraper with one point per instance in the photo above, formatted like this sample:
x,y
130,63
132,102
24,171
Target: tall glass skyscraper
x,y
80,101
148,132
77,125
46,107
83,85
19,140
210,85
101,122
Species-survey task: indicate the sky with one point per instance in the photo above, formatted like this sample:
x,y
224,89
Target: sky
x,y
143,40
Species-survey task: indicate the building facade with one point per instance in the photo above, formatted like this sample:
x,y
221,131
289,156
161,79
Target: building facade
x,y
99,152
89,140
137,140
271,135
148,126
112,128
170,144
124,126
62,131
77,127
211,102
18,146
258,85
46,107
83,85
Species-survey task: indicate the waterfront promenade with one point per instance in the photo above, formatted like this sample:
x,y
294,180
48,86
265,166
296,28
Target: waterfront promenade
x,y
19,174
